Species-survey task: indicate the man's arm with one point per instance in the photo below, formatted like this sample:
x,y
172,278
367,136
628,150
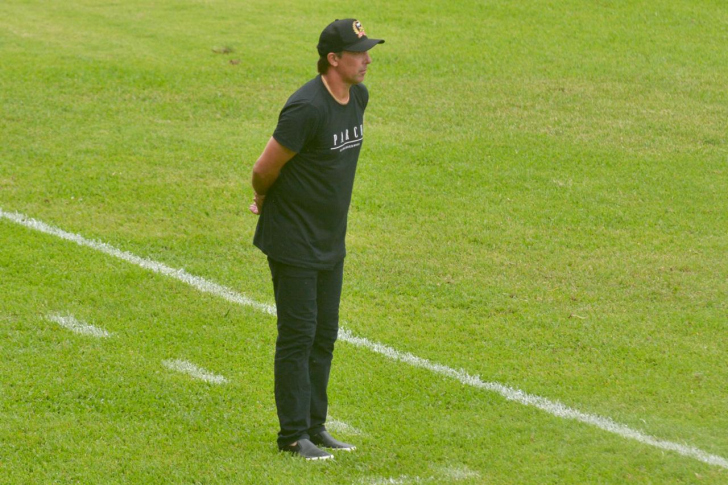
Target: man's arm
x,y
266,171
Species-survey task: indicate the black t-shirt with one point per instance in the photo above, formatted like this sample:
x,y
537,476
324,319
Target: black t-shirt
x,y
303,222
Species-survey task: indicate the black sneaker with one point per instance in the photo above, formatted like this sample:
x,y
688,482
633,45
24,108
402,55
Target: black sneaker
x,y
327,441
307,450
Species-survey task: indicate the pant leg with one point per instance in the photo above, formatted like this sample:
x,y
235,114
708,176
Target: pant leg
x,y
296,302
327,328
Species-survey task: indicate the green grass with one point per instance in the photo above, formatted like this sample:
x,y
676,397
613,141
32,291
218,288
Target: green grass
x,y
540,201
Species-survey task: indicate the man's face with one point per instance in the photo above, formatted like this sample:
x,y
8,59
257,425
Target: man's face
x,y
352,66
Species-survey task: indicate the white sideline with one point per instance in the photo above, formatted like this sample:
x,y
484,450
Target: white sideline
x,y
201,284
192,370
74,325
552,407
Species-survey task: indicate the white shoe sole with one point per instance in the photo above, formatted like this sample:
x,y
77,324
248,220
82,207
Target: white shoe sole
x,y
312,458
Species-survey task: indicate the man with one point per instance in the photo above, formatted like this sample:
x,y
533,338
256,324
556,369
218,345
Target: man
x,y
303,182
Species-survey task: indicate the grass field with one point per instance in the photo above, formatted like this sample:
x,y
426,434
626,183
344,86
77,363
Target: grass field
x,y
540,202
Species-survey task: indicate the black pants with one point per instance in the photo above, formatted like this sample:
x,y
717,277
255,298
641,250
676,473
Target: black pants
x,y
307,301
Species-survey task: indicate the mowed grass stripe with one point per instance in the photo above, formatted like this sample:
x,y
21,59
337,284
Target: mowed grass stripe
x,y
552,407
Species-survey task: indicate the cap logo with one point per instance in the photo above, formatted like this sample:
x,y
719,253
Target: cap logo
x,y
358,29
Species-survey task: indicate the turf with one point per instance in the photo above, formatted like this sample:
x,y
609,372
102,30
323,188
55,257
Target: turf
x,y
540,201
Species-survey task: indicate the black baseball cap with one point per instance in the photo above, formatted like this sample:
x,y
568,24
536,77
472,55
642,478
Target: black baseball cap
x,y
345,35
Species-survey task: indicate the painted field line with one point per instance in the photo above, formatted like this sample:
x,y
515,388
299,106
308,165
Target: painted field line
x,y
341,427
74,325
552,407
459,472
201,284
403,480
194,371
449,475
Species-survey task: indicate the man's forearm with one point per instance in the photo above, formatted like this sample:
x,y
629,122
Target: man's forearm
x,y
268,166
260,184
263,182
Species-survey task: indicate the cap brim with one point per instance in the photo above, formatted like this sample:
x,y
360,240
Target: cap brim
x,y
363,45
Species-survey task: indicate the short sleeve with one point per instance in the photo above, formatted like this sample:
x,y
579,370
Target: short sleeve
x,y
362,95
297,125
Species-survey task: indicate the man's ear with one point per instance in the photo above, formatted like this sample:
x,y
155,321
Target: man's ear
x,y
333,59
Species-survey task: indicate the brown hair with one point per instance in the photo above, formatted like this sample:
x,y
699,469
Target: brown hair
x,y
323,63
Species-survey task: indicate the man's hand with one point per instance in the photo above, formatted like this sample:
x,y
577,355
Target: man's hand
x,y
257,206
